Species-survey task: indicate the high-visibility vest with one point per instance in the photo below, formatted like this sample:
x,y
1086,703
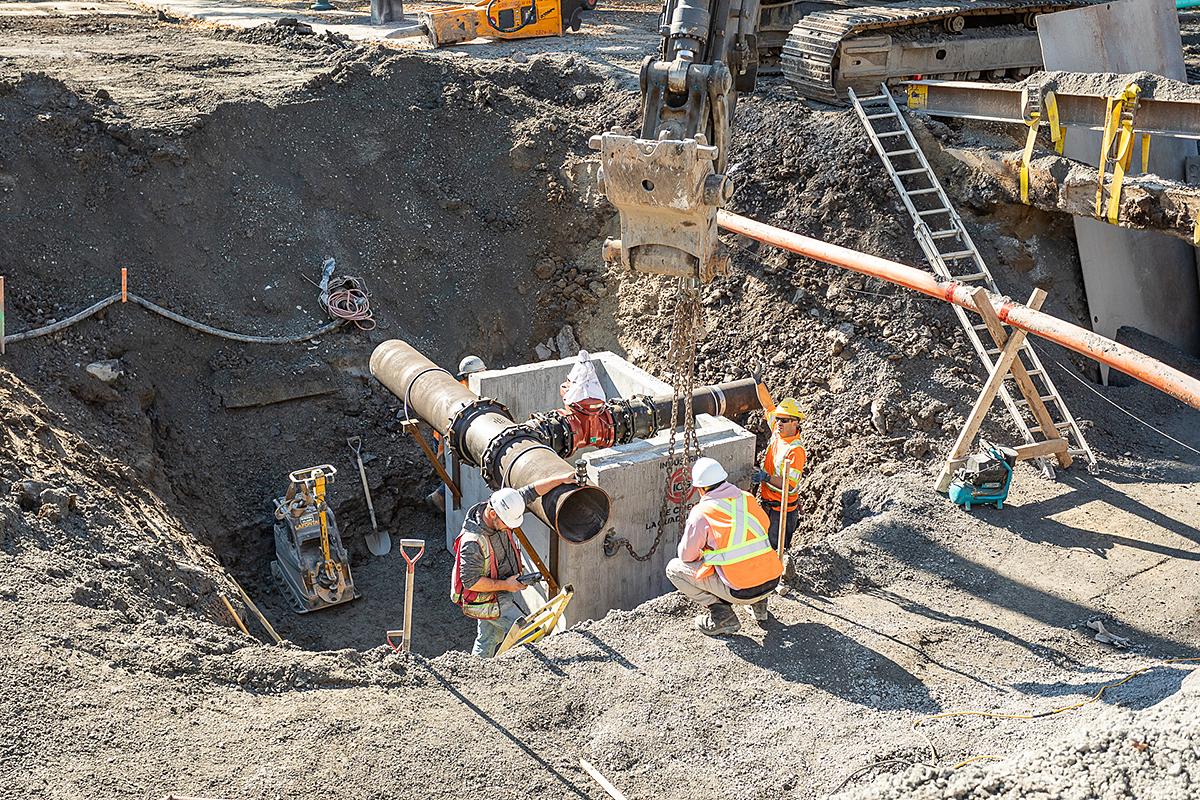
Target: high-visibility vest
x,y
743,556
476,605
785,459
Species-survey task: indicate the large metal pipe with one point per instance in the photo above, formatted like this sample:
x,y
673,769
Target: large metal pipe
x,y
482,434
1082,341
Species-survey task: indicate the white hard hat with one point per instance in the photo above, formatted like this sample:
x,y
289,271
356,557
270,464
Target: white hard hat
x,y
508,505
708,472
470,364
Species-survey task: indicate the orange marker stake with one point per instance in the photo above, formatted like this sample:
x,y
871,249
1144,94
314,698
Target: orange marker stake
x,y
124,286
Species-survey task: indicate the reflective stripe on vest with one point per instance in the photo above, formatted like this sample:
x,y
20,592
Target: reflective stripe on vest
x,y
781,453
747,538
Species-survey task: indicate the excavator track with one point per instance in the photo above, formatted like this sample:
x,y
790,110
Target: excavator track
x,y
813,54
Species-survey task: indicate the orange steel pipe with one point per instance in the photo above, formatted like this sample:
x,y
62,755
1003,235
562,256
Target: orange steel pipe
x,y
1088,343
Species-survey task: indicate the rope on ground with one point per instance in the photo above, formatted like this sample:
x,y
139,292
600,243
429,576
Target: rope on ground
x,y
1049,712
908,762
63,324
1122,409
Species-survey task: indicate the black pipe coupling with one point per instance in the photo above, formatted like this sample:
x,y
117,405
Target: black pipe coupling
x,y
493,454
633,418
465,418
554,431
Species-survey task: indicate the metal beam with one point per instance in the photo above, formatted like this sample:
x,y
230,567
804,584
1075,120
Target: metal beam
x,y
993,102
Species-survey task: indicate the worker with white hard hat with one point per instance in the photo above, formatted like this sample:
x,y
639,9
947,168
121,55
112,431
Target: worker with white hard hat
x,y
487,562
725,557
468,365
784,461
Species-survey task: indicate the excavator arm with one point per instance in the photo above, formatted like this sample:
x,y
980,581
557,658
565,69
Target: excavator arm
x,y
668,181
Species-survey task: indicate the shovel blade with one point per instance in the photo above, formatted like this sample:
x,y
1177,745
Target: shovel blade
x,y
379,543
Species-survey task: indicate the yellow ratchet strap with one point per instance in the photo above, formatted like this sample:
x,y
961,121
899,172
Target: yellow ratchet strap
x,y
1030,140
1118,132
1058,131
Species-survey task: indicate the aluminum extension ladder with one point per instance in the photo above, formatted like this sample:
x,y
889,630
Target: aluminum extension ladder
x,y
953,256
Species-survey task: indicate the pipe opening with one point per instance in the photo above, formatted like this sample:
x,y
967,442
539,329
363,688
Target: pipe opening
x,y
578,513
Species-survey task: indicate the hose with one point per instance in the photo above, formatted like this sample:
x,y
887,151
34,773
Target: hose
x,y
526,19
63,324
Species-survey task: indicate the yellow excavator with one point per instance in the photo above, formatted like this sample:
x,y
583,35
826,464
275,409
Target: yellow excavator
x,y
499,19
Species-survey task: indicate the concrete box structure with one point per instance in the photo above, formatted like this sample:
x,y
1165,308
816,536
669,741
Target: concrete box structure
x,y
632,474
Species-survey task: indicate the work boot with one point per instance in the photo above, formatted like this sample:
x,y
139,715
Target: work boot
x,y
436,500
760,610
718,620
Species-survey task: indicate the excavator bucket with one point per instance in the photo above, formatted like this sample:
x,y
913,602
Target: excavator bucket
x,y
667,194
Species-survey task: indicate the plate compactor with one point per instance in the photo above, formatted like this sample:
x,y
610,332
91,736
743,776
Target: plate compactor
x,y
312,567
985,478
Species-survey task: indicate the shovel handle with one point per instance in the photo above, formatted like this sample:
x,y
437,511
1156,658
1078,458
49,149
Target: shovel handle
x,y
419,544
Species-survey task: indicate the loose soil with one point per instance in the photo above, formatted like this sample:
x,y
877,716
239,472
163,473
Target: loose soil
x,y
221,167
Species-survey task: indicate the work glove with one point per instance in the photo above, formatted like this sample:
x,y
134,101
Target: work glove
x,y
759,476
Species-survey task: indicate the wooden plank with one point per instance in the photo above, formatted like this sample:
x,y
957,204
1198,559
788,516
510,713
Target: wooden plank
x,y
991,387
411,427
1041,449
1149,202
612,791
1024,382
262,619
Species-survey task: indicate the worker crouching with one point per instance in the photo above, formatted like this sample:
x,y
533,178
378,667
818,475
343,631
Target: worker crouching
x,y
725,557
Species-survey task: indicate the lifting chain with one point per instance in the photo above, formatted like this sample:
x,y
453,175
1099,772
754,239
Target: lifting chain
x,y
686,330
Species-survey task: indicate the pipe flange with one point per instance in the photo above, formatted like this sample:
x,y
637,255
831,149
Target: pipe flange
x,y
464,418
642,405
490,468
553,430
622,416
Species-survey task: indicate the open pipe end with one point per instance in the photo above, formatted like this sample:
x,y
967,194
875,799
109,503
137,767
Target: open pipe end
x,y
577,513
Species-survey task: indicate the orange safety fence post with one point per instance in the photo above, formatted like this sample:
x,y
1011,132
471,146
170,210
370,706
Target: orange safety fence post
x,y
124,286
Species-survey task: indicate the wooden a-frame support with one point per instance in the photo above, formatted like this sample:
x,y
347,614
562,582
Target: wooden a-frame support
x,y
1007,361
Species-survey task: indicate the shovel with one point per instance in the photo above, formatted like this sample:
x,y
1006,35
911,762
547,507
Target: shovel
x,y
378,542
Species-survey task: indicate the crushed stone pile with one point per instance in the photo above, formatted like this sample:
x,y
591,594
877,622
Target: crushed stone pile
x,y
1152,754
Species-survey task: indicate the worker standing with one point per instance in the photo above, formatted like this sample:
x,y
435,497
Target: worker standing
x,y
468,365
487,562
724,558
784,461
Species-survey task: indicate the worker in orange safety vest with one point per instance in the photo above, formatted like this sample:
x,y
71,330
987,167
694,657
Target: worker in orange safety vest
x,y
784,461
724,558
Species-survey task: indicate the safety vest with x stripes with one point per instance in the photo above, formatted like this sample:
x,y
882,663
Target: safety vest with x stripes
x,y
743,555
785,458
